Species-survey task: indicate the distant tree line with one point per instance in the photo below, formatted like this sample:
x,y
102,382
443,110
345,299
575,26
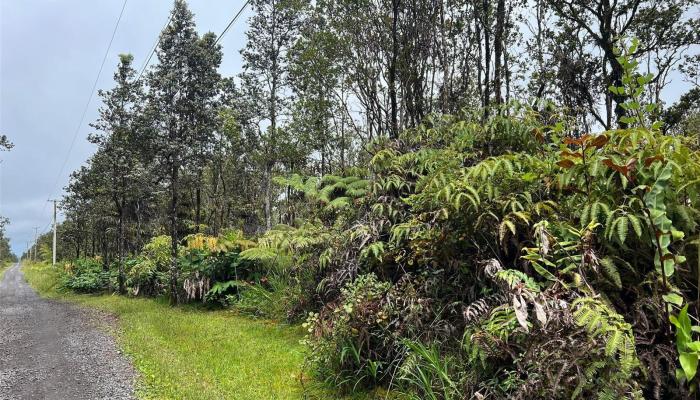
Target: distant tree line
x,y
6,253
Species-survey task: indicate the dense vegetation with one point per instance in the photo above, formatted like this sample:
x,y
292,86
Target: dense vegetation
x,y
436,209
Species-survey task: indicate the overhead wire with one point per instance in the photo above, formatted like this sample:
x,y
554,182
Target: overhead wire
x,y
87,105
155,47
233,21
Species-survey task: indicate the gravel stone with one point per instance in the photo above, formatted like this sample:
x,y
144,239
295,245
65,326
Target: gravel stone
x,y
52,350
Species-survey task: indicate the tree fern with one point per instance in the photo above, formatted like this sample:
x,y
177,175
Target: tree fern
x,y
261,254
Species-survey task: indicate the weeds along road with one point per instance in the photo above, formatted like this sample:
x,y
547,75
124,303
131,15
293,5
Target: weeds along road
x,y
51,350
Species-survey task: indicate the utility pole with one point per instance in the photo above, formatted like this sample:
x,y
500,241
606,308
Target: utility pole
x,y
36,240
54,232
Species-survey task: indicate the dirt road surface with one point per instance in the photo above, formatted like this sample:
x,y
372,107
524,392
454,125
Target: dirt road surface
x,y
51,350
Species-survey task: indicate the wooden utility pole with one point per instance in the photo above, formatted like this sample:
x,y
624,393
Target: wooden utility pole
x,y
36,241
54,232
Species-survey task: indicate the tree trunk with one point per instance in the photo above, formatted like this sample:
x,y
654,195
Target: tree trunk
x,y
616,80
174,298
268,196
498,50
487,57
394,133
120,249
198,206
138,224
92,239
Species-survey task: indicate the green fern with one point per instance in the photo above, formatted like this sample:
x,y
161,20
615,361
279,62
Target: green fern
x,y
514,279
611,272
261,254
606,325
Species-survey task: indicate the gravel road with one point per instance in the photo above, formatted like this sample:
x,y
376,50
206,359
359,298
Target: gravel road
x,y
51,350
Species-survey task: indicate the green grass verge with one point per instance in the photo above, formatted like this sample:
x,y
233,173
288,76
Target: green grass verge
x,y
190,353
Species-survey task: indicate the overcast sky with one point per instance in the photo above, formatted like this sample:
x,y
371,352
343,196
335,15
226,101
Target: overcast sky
x,y
50,52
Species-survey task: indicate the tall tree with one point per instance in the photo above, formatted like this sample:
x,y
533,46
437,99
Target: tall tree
x,y
181,109
273,31
117,137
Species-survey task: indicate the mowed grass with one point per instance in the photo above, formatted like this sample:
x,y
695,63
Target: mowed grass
x,y
191,353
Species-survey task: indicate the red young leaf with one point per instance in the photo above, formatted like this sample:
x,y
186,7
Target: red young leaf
x,y
599,141
650,160
619,168
567,153
574,141
566,164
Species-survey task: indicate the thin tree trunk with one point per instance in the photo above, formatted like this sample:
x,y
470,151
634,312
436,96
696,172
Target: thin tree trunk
x,y
120,249
174,298
392,69
198,207
498,50
487,57
268,196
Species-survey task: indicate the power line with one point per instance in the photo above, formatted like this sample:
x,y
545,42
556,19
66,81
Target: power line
x,y
46,228
87,105
160,37
155,46
233,21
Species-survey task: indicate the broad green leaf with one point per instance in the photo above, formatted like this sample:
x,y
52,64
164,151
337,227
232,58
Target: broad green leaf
x,y
543,271
673,298
689,363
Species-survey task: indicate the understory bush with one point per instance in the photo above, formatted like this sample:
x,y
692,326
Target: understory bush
x,y
86,275
147,274
350,342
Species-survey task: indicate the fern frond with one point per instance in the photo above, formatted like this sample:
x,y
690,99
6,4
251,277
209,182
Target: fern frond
x,y
622,228
339,203
263,254
636,224
603,323
611,272
479,308
504,227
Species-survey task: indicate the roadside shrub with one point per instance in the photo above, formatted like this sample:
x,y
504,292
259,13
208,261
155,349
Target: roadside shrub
x,y
350,344
544,264
86,275
147,274
212,269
